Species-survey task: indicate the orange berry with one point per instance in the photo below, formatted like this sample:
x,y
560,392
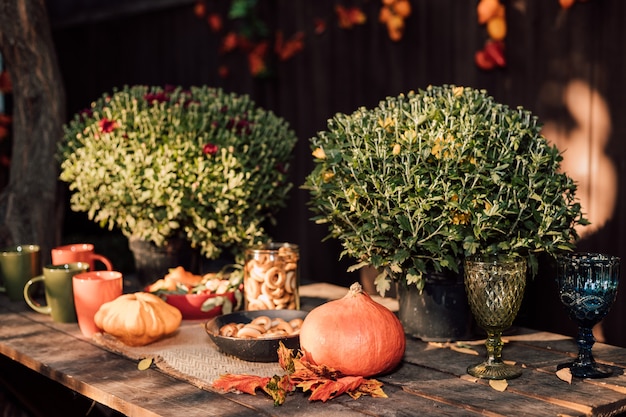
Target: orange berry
x,y
388,2
496,28
384,15
486,9
500,11
566,4
395,27
402,8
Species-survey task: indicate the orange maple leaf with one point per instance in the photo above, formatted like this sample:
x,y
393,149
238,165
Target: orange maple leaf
x,y
199,9
324,383
256,58
319,25
286,50
215,22
229,42
349,16
244,383
329,389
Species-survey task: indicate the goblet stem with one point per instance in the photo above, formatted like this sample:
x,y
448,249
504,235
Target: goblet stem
x,y
585,341
585,365
494,347
494,367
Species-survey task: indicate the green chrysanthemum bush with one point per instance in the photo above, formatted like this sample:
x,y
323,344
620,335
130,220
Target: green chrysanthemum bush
x,y
428,178
159,163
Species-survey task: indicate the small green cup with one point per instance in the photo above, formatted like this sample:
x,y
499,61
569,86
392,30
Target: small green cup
x,y
57,280
18,264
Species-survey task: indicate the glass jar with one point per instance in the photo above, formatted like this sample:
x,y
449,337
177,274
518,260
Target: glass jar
x,y
271,277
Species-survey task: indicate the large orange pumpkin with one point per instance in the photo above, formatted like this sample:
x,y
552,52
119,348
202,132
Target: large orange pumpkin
x,y
354,335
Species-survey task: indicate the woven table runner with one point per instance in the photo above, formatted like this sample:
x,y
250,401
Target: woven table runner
x,y
189,354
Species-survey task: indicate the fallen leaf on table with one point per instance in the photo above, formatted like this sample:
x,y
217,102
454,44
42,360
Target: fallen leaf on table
x,y
498,384
463,348
564,374
243,383
144,364
457,347
323,382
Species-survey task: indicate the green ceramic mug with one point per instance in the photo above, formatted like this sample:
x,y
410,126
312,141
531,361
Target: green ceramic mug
x,y
57,280
18,264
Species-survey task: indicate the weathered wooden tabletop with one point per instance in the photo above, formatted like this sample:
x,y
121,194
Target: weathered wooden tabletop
x,y
430,382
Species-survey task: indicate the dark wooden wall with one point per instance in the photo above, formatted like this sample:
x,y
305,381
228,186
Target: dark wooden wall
x,y
342,69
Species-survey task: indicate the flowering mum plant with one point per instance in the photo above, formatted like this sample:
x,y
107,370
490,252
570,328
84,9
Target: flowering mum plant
x,y
159,163
428,178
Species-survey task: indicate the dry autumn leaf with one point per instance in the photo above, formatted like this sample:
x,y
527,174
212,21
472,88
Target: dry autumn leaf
x,y
564,375
324,383
144,364
498,384
463,348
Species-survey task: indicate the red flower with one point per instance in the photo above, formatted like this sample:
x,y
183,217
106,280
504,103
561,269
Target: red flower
x,y
85,113
215,22
209,149
107,126
158,97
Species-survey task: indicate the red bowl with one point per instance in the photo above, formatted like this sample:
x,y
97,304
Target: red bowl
x,y
190,305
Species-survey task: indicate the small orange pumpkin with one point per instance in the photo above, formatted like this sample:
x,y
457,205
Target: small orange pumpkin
x,y
138,319
354,335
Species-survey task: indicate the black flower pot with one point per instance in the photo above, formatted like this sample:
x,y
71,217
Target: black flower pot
x,y
152,262
440,313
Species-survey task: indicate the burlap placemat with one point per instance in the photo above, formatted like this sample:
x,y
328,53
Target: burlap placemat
x,y
189,354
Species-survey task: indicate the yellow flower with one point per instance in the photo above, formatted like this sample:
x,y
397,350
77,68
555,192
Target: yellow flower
x,y
457,91
444,147
460,218
396,149
409,136
328,175
319,153
386,124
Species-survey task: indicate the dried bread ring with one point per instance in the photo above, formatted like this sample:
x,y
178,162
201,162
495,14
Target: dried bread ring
x,y
249,332
263,321
296,323
229,330
275,277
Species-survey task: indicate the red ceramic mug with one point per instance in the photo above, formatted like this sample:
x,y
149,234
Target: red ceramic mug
x,y
79,252
91,290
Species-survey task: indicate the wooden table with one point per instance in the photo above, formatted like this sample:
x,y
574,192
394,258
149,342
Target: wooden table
x,y
431,381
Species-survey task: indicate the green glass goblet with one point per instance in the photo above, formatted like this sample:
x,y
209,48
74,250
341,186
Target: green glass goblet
x,y
495,289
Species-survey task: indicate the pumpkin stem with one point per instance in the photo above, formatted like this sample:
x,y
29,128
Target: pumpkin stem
x,y
355,289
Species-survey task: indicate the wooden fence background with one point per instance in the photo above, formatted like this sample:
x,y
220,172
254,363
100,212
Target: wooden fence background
x,y
567,66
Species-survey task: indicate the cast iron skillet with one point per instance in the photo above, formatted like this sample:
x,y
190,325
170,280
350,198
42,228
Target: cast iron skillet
x,y
253,350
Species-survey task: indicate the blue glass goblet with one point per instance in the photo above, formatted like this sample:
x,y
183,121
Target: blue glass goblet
x,y
587,288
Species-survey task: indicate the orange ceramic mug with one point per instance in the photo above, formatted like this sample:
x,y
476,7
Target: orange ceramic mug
x,y
91,290
79,252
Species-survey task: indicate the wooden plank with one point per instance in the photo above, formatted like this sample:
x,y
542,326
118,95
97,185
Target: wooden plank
x,y
474,396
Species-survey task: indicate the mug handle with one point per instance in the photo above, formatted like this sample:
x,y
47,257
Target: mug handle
x,y
107,264
38,308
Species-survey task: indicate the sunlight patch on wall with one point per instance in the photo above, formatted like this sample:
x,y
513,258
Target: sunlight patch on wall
x,y
583,142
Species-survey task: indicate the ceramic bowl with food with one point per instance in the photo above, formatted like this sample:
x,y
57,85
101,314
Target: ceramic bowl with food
x,y
200,306
255,335
199,296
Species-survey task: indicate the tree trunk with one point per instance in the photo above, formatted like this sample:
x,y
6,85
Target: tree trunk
x,y
28,211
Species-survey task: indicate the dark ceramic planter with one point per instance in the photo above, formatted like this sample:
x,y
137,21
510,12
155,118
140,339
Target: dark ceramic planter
x,y
440,313
152,262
